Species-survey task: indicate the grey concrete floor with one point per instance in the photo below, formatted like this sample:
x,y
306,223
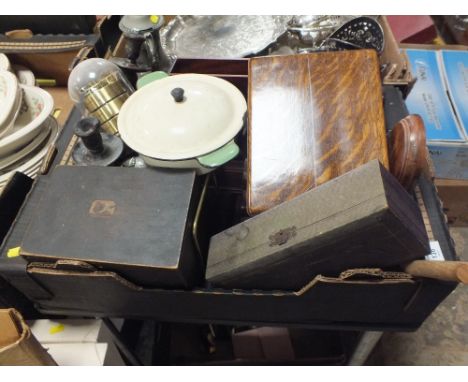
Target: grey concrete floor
x,y
443,337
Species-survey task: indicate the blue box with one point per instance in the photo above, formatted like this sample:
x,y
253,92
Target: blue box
x,y
455,68
428,98
442,83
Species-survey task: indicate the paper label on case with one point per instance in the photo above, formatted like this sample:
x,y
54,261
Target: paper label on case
x,y
436,252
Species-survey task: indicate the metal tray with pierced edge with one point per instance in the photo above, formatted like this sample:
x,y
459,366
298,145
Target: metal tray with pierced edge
x,y
359,33
221,36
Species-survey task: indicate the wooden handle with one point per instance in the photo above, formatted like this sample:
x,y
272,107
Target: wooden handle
x,y
441,270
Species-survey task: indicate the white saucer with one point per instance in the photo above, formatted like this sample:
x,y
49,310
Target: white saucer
x,y
26,150
34,163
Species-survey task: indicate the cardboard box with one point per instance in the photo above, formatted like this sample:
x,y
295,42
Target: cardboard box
x,y
453,193
439,96
397,68
71,342
18,346
52,56
370,299
49,56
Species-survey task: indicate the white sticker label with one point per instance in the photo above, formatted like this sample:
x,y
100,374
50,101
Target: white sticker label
x,y
436,252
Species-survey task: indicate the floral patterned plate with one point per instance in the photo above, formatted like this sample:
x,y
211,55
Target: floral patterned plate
x,y
10,120
15,158
8,96
37,105
31,164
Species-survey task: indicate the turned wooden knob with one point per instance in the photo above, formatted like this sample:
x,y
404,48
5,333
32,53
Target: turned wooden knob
x,y
408,150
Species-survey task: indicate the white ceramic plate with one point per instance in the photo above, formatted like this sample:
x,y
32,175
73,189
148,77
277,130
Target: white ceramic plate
x,y
52,126
4,62
152,123
8,93
10,121
32,173
37,105
25,151
35,162
24,75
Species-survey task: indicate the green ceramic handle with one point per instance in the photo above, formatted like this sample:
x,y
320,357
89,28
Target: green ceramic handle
x,y
220,156
150,77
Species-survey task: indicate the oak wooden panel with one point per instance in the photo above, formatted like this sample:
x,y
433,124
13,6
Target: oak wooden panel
x,y
312,117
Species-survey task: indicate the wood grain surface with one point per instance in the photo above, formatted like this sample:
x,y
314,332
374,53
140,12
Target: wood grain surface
x,y
456,271
408,150
312,117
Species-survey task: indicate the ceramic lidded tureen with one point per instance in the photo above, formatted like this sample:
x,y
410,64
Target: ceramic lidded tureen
x,y
184,121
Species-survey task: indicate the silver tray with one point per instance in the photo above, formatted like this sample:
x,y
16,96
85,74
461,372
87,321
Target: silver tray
x,y
221,36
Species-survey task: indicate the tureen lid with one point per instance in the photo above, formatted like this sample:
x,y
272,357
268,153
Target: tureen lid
x,y
182,116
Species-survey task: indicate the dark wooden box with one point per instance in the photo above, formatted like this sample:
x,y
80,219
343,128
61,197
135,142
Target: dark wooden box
x,y
337,226
135,222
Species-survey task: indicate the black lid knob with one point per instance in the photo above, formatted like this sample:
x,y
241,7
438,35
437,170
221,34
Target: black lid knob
x,y
88,130
178,94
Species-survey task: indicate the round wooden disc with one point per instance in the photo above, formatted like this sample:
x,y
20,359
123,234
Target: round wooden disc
x,y
408,149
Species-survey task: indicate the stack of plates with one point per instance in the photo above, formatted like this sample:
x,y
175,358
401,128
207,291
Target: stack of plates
x,y
26,128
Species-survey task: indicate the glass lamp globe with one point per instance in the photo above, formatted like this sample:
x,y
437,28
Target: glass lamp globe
x,y
86,74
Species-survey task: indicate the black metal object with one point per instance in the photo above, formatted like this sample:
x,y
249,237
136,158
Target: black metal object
x,y
88,130
359,33
143,47
95,148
